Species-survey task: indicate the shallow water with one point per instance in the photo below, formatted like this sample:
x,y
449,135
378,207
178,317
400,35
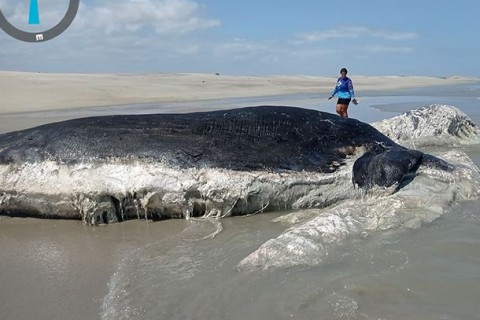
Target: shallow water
x,y
53,269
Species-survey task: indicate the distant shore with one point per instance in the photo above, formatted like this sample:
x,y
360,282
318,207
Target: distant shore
x,y
30,92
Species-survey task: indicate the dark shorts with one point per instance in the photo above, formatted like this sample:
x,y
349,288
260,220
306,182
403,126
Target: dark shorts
x,y
344,101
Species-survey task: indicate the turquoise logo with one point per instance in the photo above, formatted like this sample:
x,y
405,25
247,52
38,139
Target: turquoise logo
x,y
33,17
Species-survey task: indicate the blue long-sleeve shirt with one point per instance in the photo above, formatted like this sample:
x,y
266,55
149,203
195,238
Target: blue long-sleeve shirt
x,y
344,88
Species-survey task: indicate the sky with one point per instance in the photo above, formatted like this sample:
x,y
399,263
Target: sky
x,y
250,37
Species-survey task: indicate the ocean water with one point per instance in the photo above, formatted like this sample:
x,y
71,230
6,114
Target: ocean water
x,y
54,269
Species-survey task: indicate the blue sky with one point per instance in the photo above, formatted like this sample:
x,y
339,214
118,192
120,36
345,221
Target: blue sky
x,y
246,37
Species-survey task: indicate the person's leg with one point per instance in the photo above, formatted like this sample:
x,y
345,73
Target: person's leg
x,y
342,107
345,111
342,110
339,110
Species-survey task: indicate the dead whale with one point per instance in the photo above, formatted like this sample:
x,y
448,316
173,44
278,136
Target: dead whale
x,y
239,161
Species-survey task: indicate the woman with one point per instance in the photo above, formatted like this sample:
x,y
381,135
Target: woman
x,y
344,88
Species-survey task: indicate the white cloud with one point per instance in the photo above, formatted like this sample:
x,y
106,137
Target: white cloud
x,y
353,33
238,47
387,49
164,17
314,53
266,52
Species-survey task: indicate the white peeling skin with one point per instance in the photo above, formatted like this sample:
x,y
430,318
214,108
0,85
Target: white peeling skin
x,y
421,201
85,190
434,125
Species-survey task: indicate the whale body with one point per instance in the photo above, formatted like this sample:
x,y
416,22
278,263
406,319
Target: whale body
x,y
268,143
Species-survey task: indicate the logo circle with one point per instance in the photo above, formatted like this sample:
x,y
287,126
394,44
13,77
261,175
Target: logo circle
x,y
42,35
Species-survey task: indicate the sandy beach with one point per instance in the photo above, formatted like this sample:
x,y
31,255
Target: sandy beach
x,y
66,270
32,92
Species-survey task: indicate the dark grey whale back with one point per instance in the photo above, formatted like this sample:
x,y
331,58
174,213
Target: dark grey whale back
x,y
252,138
241,139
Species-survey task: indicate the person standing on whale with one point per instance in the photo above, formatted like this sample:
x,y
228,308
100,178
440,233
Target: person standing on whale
x,y
344,89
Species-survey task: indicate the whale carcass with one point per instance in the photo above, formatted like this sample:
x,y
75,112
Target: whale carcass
x,y
229,162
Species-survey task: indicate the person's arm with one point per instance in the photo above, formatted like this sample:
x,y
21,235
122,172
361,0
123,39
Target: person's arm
x,y
334,92
352,92
350,88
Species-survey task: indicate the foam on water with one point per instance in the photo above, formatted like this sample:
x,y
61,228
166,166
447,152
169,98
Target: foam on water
x,y
132,280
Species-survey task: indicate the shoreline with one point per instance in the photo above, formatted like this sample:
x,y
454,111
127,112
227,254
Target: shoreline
x,y
27,92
